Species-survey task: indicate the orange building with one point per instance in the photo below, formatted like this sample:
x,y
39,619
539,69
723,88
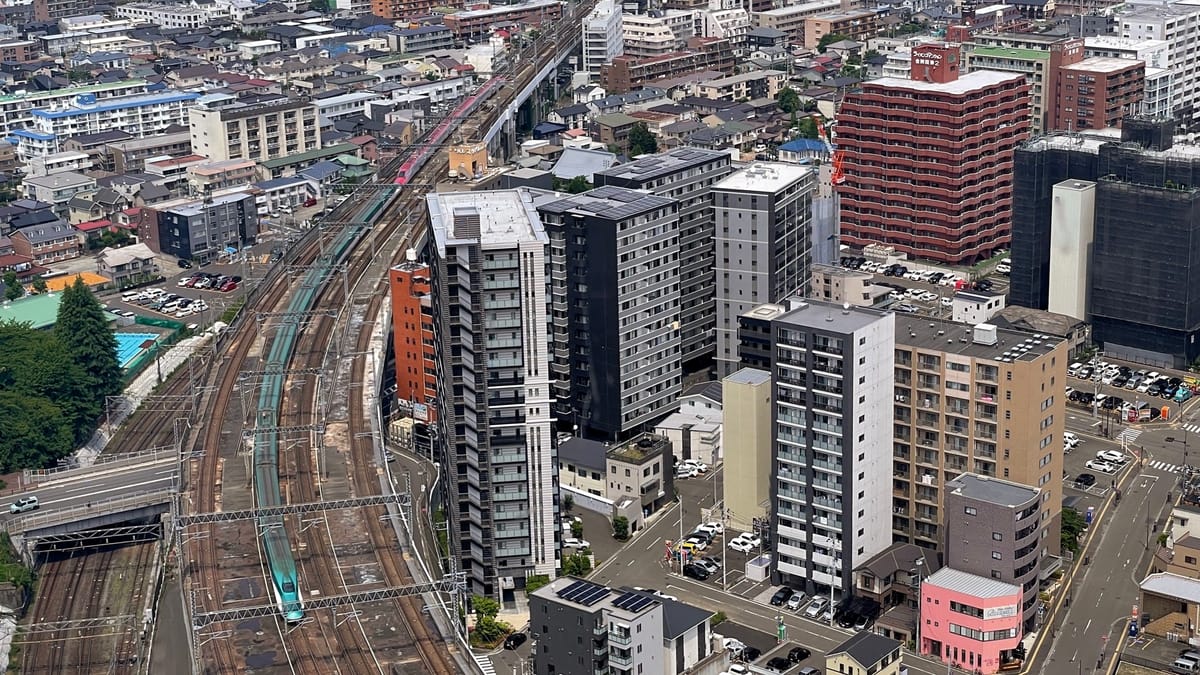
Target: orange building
x,y
412,329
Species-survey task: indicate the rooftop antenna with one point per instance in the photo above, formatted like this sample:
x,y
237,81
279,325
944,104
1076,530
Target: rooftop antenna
x,y
410,255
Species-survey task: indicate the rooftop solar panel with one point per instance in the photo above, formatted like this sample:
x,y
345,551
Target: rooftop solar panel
x,y
632,602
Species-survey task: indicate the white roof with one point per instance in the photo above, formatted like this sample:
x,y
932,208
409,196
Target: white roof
x,y
1173,586
764,177
970,82
1107,64
505,217
115,257
971,584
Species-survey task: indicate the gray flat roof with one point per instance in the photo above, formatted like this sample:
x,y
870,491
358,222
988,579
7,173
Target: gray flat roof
x,y
828,316
951,337
749,376
992,490
609,202
1173,586
971,584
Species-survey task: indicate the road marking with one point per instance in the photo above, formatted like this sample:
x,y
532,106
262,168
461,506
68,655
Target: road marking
x,y
1128,435
1163,466
1194,428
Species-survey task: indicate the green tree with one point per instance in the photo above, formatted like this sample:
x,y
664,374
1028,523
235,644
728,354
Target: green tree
x,y
1073,524
576,565
641,141
577,529
114,239
789,100
12,287
568,502
576,185
488,631
620,528
38,366
39,284
807,128
33,432
829,39
83,331
485,606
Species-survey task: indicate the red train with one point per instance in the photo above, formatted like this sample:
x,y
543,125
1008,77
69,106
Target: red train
x,y
433,142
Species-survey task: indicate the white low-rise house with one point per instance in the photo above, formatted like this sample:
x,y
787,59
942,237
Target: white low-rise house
x,y
128,263
58,162
695,429
291,192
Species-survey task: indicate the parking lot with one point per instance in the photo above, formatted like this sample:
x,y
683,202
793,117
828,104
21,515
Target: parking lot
x,y
205,304
925,291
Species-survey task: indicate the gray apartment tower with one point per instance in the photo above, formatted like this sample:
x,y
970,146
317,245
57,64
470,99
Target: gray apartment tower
x,y
488,269
993,529
686,175
614,309
763,221
832,452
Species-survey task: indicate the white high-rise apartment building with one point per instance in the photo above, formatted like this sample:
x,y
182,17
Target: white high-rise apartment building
x,y
656,34
1179,25
493,381
1159,98
763,221
832,369
603,37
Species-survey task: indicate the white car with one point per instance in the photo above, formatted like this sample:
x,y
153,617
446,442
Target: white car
x,y
734,644
1153,375
695,464
686,472
1101,466
947,302
750,538
741,546
1144,386
711,528
929,296
1071,439
572,542
1112,457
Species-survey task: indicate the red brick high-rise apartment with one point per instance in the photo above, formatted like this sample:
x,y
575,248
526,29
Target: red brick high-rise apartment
x,y
928,162
412,337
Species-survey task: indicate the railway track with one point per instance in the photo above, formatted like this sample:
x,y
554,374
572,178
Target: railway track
x,y
69,592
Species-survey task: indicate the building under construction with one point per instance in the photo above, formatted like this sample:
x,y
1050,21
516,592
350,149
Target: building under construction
x,y
1144,241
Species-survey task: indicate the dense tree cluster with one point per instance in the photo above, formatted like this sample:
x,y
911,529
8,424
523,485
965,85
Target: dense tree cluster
x,y
53,384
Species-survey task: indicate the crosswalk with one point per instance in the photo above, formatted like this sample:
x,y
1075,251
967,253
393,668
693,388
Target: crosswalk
x,y
1128,436
1164,466
1192,428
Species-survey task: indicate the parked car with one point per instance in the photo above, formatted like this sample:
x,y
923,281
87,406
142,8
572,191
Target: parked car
x,y
751,653
695,571
1070,439
1101,466
1085,480
818,607
1112,457
798,654
741,545
184,263
778,664
781,596
24,504
795,602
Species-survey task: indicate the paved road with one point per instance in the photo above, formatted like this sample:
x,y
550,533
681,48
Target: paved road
x,y
745,603
97,485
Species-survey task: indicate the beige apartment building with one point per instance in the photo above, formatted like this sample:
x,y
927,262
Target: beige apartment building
x,y
974,399
225,128
791,19
859,25
746,414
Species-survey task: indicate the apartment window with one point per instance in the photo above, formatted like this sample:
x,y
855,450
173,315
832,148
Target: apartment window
x,y
970,511
996,536
996,555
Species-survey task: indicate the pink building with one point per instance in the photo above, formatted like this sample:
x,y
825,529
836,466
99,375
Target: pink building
x,y
970,621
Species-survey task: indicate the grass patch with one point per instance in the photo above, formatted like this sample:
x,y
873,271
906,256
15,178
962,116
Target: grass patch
x,y
231,312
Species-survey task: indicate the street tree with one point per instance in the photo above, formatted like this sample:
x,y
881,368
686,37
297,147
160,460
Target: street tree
x,y
789,100
12,287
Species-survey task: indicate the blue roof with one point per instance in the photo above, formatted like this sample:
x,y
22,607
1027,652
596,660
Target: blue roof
x,y
279,182
804,145
322,170
30,133
378,28
117,104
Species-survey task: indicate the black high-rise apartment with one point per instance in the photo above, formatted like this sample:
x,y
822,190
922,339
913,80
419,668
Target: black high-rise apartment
x,y
1143,304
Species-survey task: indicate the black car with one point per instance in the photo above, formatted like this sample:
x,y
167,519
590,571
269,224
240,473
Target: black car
x,y
778,664
798,654
184,264
695,571
1085,480
515,640
751,653
781,596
